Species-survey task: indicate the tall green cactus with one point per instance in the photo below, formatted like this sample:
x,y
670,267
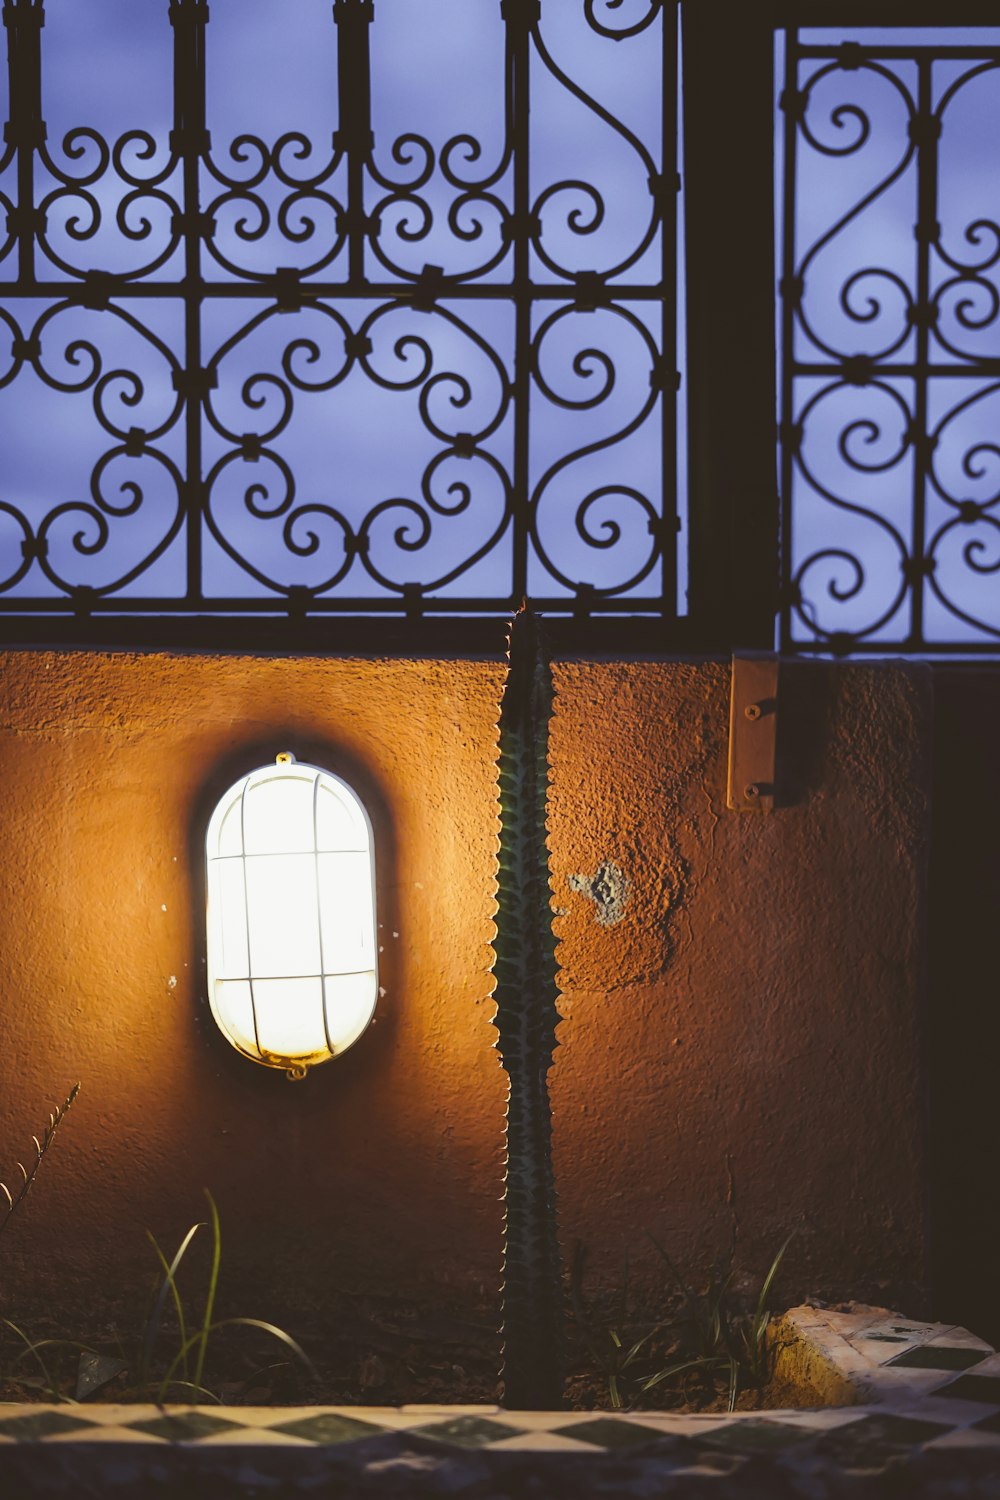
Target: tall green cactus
x,y
526,1019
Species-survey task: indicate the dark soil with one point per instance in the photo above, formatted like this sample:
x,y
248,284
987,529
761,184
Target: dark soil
x,y
368,1354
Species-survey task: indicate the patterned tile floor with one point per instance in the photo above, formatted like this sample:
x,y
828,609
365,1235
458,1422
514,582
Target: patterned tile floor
x,y
921,1389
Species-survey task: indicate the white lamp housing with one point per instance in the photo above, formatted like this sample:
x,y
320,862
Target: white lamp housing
x,y
292,965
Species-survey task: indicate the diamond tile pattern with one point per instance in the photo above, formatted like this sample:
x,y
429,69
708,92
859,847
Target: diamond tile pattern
x,y
872,1440
939,1357
35,1426
467,1432
329,1427
757,1437
185,1426
973,1388
610,1432
863,1438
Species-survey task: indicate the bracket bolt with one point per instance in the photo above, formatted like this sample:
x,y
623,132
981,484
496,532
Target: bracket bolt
x,y
751,791
753,710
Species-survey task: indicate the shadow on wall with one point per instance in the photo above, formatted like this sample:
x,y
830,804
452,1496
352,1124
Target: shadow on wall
x,y
808,701
963,1024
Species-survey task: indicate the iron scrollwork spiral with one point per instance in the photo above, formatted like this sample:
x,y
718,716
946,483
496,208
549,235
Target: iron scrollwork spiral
x,y
346,364
891,333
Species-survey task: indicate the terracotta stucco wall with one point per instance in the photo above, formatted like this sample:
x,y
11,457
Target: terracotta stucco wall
x,y
743,1048
740,1048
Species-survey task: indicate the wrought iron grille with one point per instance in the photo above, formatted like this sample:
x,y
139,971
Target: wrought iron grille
x,y
890,343
347,366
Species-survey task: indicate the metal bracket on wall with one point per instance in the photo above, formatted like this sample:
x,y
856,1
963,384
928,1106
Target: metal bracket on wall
x,y
753,733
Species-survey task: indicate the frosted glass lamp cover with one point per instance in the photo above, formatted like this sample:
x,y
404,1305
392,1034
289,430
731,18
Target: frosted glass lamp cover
x,y
292,954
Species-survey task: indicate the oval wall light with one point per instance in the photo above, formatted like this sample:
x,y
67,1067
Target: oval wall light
x,y
292,966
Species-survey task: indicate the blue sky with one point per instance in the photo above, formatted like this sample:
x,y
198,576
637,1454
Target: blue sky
x,y
357,442
860,280
352,445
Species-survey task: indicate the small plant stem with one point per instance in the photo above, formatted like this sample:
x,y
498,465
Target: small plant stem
x,y
213,1282
14,1201
169,1284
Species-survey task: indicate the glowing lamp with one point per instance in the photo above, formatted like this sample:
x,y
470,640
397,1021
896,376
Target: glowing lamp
x,y
292,966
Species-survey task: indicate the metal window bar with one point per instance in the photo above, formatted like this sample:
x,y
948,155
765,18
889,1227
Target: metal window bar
x,y
246,910
319,911
538,286
894,467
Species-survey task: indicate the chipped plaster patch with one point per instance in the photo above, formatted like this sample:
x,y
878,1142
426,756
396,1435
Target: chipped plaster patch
x,y
607,888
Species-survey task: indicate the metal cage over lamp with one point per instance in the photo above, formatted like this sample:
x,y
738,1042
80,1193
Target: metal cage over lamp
x,y
292,961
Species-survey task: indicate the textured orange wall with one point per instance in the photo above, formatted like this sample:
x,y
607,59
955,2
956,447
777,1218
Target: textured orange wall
x,y
382,1172
742,1045
741,1036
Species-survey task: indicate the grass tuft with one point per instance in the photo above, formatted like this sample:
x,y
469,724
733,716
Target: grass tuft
x,y
708,1346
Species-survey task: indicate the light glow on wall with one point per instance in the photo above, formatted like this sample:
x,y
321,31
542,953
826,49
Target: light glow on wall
x,y
292,964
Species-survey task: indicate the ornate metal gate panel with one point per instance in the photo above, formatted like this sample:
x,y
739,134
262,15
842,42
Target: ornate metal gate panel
x,y
890,422
276,347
